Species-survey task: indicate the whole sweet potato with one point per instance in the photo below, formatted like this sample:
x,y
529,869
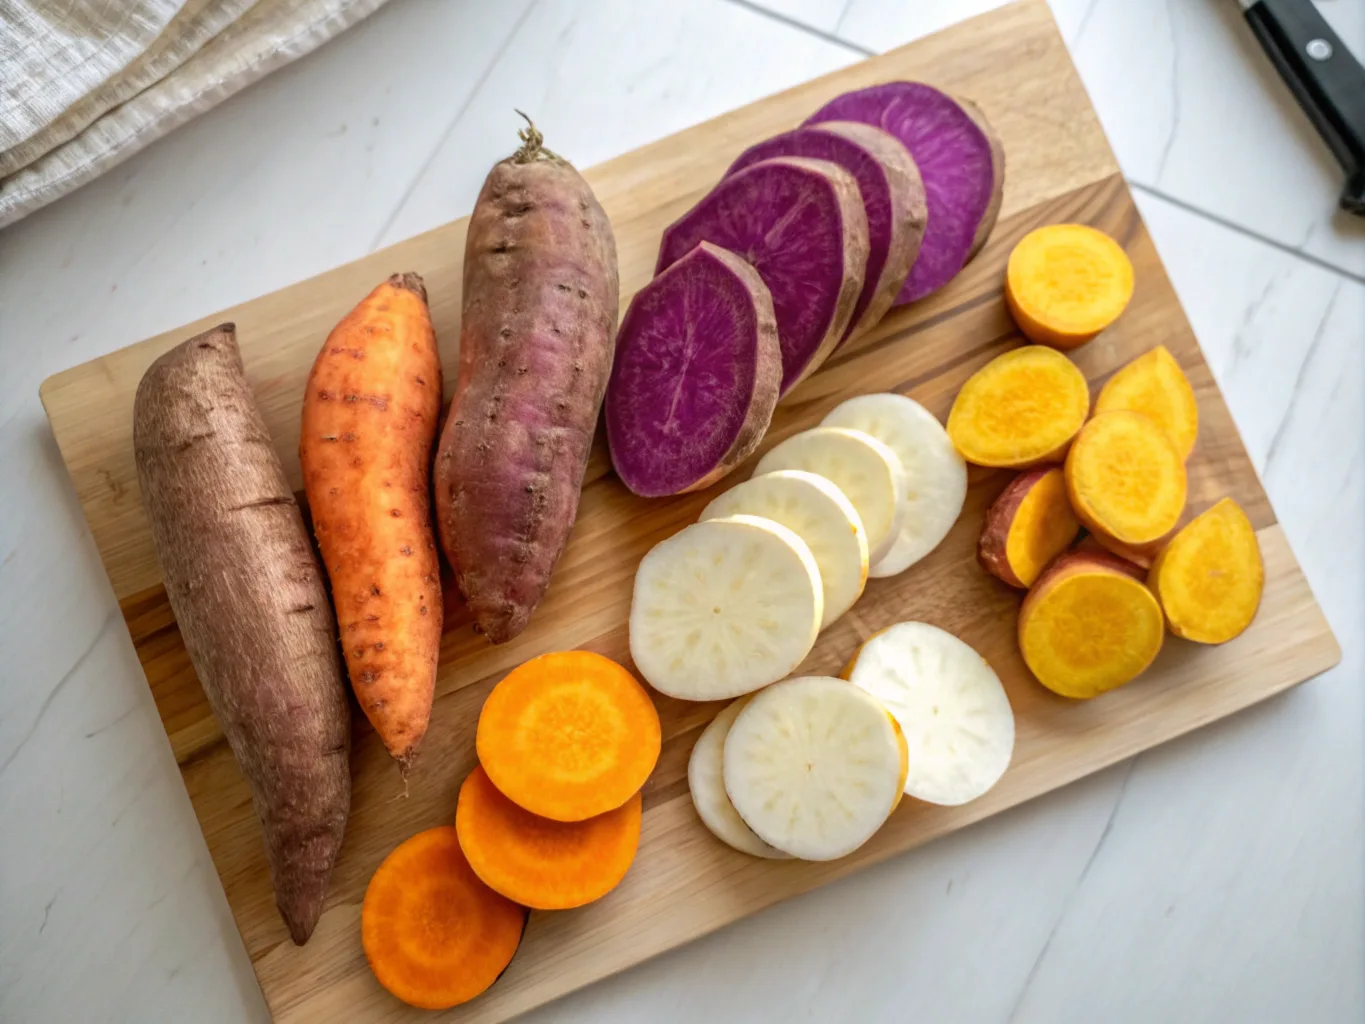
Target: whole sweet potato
x,y
369,422
249,598
536,343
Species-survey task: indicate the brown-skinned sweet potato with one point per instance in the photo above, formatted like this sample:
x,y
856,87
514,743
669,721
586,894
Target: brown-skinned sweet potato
x,y
536,341
249,598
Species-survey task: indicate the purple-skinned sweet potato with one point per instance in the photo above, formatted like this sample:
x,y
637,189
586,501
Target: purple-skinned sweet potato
x,y
892,194
697,370
800,224
960,161
536,340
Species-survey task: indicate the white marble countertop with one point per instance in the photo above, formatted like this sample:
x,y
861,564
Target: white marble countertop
x,y
1218,878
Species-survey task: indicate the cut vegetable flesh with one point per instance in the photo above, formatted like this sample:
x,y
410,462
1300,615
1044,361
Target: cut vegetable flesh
x,y
706,781
696,374
1210,576
936,475
568,735
434,934
892,194
539,863
956,162
949,702
867,471
817,512
801,224
1020,408
724,607
1126,478
1155,385
814,766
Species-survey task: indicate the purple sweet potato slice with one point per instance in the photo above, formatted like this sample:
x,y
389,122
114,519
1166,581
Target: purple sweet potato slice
x,y
800,224
696,374
892,194
987,224
963,171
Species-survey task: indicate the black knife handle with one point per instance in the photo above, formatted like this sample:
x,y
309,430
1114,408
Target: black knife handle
x,y
1324,77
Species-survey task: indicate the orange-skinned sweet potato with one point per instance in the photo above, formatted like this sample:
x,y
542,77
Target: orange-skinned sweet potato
x,y
536,342
1027,526
369,423
1089,625
251,604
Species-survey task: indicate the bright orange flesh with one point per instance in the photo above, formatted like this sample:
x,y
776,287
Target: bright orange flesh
x,y
539,863
1027,526
1155,385
1210,576
568,735
1067,282
1021,408
434,934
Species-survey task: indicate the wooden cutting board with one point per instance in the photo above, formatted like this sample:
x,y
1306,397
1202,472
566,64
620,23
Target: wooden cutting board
x,y
684,884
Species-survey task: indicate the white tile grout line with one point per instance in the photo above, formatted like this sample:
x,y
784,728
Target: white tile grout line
x,y
1246,232
829,37
801,26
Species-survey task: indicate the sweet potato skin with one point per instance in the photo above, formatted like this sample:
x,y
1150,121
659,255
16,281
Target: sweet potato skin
x,y
251,605
992,549
536,342
369,423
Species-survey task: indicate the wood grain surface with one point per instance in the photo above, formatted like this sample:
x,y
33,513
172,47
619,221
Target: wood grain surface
x,y
685,884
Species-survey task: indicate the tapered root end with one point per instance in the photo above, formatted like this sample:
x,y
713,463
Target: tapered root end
x,y
410,281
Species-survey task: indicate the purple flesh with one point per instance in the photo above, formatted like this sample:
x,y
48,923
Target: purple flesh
x,y
695,377
954,158
873,186
800,224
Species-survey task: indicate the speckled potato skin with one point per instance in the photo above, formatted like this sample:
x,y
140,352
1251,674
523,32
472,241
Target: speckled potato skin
x,y
536,342
250,601
369,422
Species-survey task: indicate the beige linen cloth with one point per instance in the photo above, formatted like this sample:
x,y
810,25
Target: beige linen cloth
x,y
85,84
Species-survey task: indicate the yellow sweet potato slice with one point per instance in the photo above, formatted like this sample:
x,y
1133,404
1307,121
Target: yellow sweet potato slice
x,y
1029,525
1154,385
1021,408
1209,578
1067,282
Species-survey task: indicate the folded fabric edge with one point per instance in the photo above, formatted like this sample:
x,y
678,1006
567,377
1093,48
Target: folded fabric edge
x,y
31,188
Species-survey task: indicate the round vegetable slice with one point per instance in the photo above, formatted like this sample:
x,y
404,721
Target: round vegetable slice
x,y
950,704
724,607
568,735
801,224
960,161
1155,385
696,374
867,471
936,475
1021,408
435,935
539,863
706,782
817,512
814,766
892,194
1065,283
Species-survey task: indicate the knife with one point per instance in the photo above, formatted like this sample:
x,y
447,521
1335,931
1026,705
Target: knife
x,y
1327,81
